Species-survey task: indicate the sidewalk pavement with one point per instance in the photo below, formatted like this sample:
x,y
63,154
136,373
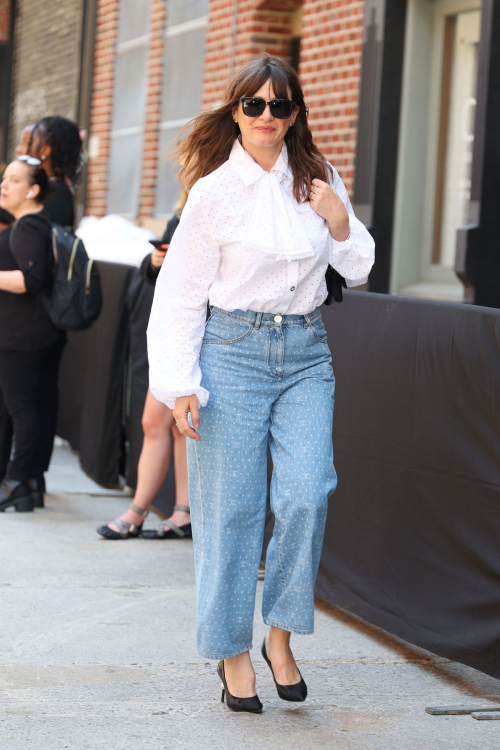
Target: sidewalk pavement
x,y
97,651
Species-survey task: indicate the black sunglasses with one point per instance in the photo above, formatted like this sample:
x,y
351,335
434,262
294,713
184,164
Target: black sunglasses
x,y
253,106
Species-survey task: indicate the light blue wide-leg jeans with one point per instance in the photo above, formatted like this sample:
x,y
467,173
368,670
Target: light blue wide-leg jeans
x,y
270,379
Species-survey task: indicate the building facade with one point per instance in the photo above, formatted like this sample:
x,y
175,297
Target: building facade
x,y
402,95
44,63
154,73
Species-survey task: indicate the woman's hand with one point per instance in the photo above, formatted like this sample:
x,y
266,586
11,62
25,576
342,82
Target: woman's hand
x,y
158,256
328,205
184,405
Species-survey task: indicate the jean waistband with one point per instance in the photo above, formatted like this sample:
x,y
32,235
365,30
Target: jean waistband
x,y
258,318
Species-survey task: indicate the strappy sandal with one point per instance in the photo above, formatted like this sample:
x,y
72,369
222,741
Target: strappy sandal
x,y
173,531
126,530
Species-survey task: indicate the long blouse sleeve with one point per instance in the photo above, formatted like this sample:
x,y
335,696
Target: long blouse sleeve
x,y
177,322
354,257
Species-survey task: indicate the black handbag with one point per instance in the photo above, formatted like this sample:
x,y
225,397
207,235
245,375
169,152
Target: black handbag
x,y
334,284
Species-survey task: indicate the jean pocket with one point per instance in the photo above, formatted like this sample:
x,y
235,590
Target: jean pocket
x,y
319,331
220,330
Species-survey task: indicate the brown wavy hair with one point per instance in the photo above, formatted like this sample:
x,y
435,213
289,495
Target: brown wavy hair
x,y
211,134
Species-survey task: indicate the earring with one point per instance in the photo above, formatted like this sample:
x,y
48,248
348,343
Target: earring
x,y
43,157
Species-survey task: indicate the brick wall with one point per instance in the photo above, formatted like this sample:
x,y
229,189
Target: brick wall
x,y
153,111
46,61
230,45
4,20
330,70
102,106
330,61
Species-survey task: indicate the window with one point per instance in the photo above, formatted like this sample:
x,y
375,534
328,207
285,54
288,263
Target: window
x,y
435,154
129,103
183,65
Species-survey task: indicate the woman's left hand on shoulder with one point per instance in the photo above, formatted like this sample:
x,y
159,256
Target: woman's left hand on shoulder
x,y
327,204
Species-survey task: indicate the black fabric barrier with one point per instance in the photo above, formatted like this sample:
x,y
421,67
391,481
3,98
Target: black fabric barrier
x,y
412,541
91,408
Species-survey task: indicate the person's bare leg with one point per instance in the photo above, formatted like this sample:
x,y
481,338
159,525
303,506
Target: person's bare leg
x,y
281,657
180,517
240,675
157,421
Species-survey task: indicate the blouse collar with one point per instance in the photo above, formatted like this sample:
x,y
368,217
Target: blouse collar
x,y
248,169
271,225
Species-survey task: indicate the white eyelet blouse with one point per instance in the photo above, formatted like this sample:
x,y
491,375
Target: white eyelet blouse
x,y
243,242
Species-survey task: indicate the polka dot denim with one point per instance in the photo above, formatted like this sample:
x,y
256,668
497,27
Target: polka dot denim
x,y
270,379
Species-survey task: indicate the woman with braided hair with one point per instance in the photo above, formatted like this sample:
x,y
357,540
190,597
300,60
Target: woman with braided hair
x,y
57,143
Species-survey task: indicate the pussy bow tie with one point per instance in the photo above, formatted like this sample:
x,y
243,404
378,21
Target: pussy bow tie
x,y
272,225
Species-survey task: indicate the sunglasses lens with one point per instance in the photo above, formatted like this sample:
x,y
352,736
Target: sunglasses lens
x,y
253,106
281,108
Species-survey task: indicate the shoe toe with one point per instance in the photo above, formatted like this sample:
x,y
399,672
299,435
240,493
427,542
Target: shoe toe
x,y
108,533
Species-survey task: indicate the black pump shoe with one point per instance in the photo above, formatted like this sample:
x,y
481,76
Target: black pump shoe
x,y
37,487
250,705
296,692
16,495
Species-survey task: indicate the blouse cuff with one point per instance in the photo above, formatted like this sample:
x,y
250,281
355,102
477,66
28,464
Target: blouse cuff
x,y
356,282
353,258
169,397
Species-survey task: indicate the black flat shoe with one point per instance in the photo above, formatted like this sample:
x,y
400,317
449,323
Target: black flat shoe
x,y
125,530
16,495
172,531
296,692
250,705
37,487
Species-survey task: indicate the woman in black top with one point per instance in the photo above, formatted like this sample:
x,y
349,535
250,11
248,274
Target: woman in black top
x,y
5,421
30,346
56,142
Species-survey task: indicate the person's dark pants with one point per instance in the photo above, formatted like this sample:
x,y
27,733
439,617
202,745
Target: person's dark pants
x,y
5,438
29,382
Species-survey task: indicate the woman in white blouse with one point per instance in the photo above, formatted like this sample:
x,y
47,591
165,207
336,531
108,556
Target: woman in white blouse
x,y
265,215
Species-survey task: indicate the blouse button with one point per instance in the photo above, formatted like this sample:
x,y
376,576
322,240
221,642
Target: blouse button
x,y
292,288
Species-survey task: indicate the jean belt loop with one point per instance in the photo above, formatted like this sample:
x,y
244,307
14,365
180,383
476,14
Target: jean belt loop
x,y
308,320
256,325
